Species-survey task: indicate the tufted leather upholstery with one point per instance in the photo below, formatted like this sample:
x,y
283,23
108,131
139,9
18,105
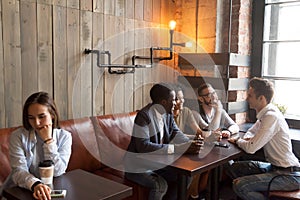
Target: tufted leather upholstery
x,y
4,154
85,154
113,136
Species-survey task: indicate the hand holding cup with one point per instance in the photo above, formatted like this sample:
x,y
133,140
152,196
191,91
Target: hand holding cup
x,y
206,133
218,134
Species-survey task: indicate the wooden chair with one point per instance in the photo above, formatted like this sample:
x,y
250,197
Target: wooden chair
x,y
283,194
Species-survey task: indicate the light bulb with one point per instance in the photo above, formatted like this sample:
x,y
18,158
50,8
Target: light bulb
x,y
172,24
189,44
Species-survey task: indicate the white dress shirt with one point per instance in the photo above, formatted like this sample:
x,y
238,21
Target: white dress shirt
x,y
271,133
161,125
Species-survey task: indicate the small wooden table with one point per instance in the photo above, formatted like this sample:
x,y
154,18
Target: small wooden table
x,y
79,185
188,165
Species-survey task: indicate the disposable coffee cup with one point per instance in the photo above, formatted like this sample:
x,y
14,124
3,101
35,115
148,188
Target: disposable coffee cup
x,y
218,135
46,169
206,133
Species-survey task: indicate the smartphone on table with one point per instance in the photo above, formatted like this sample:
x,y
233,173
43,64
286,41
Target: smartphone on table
x,y
58,193
221,144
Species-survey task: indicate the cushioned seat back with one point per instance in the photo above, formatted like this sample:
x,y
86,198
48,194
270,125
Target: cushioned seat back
x,y
85,154
4,153
113,133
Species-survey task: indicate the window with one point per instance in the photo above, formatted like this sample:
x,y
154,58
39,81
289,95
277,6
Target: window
x,y
280,57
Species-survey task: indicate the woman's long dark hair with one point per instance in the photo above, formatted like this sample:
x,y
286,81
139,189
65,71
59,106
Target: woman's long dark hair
x,y
44,99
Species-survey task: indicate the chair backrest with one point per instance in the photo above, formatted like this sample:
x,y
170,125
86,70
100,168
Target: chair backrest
x,y
296,148
113,134
85,154
283,194
5,168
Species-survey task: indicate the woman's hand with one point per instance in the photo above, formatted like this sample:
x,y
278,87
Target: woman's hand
x,y
45,132
42,192
225,134
233,139
218,134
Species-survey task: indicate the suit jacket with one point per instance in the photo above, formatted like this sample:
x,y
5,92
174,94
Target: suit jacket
x,y
146,135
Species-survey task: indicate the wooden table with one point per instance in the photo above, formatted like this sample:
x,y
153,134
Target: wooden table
x,y
189,165
79,185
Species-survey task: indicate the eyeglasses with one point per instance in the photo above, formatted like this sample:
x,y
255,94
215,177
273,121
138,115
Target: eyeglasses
x,y
208,94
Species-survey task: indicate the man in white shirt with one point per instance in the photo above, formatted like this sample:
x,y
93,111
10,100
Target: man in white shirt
x,y
271,133
211,114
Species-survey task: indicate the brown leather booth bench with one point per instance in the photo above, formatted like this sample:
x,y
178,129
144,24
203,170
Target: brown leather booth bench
x,y
99,145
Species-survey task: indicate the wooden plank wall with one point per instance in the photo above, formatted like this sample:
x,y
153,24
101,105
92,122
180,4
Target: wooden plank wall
x,y
12,71
2,102
42,44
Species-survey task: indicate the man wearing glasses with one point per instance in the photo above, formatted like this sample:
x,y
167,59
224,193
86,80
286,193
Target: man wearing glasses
x,y
211,114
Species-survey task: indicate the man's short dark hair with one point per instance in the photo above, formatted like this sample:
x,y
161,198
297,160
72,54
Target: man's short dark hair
x,y
262,87
160,91
202,87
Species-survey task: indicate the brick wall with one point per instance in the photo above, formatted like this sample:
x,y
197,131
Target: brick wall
x,y
240,43
204,31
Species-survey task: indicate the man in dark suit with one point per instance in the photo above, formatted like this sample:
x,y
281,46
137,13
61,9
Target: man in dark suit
x,y
155,132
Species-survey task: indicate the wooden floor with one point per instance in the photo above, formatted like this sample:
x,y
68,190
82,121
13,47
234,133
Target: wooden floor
x,y
226,193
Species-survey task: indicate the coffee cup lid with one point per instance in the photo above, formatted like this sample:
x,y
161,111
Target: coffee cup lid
x,y
46,163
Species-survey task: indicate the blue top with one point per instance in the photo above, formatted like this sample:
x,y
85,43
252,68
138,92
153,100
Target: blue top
x,y
26,150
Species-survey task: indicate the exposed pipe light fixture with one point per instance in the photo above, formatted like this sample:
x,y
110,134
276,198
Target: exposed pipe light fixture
x,y
131,68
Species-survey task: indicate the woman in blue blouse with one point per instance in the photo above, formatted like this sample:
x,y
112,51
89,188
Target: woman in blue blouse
x,y
39,139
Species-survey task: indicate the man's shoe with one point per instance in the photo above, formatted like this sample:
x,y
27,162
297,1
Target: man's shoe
x,y
193,198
